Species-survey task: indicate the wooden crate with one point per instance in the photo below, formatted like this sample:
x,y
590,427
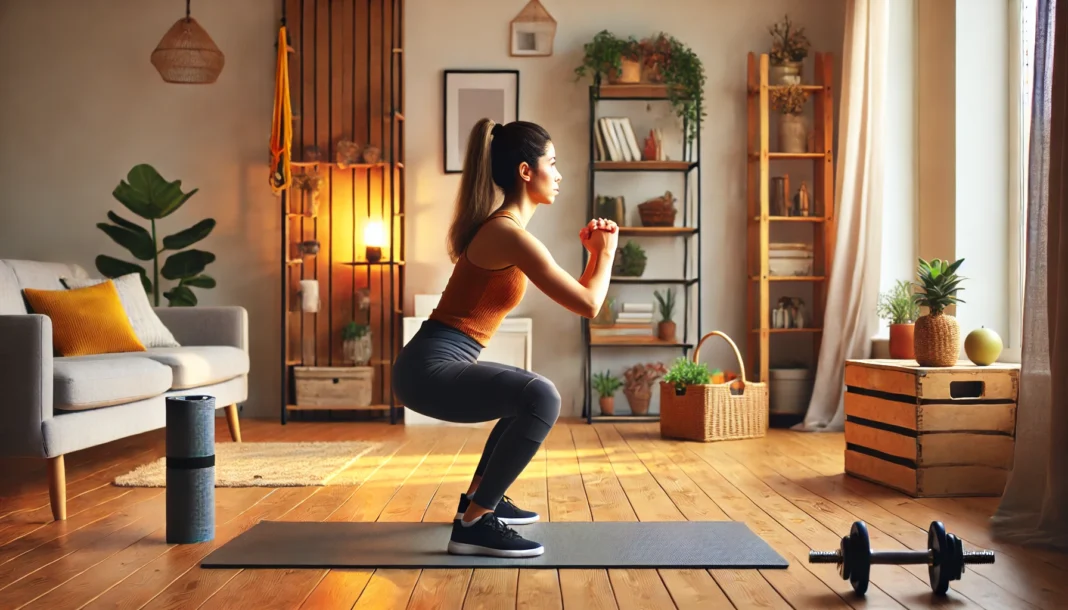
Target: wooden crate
x,y
931,432
333,386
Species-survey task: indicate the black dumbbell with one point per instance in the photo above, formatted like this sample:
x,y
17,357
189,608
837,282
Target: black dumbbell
x,y
945,557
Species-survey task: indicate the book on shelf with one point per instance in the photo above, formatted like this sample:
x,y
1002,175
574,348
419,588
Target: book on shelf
x,y
621,330
637,307
615,140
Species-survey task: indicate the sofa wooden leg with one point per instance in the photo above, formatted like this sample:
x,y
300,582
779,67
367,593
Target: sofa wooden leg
x,y
232,421
57,487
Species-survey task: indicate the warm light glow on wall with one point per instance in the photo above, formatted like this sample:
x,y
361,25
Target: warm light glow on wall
x,y
374,237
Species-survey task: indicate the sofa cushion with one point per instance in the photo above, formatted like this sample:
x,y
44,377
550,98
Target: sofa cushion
x,y
43,275
11,301
86,321
89,382
146,324
199,365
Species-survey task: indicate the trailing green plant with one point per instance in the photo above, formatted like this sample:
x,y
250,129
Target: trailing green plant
x,y
684,372
789,44
150,196
666,303
352,330
630,260
897,305
939,284
606,384
684,76
606,53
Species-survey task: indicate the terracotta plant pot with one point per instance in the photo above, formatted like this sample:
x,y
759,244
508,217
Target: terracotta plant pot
x,y
608,405
901,341
639,401
630,74
665,331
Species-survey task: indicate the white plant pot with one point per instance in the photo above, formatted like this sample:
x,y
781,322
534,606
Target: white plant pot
x,y
358,351
786,74
793,133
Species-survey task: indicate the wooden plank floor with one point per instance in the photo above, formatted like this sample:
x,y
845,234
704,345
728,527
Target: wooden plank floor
x,y
787,487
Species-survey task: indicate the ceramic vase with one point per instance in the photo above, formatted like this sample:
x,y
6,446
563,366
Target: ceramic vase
x,y
793,136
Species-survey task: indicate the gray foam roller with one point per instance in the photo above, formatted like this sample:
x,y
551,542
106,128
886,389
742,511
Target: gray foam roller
x,y
190,469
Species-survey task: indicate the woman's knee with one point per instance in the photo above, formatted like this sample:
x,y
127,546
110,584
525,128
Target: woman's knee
x,y
544,400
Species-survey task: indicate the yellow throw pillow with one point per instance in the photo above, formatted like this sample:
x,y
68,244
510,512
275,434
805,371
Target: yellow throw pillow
x,y
86,320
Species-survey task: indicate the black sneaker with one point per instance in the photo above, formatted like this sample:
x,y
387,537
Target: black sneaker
x,y
506,511
488,536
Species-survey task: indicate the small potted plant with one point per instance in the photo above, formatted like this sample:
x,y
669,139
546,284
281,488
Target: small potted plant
x,y
656,51
630,261
898,307
311,184
356,343
665,330
638,383
789,48
790,101
685,372
606,384
609,55
937,335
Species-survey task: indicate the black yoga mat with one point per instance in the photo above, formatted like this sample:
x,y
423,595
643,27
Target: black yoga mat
x,y
604,544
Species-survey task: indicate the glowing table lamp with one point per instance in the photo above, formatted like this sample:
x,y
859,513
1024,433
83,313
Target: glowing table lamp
x,y
374,237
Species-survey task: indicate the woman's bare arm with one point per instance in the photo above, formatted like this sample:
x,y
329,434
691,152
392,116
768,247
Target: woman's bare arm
x,y
582,296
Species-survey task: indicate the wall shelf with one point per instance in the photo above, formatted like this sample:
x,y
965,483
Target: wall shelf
x,y
761,224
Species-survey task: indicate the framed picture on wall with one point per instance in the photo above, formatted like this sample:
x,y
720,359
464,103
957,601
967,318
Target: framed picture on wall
x,y
470,95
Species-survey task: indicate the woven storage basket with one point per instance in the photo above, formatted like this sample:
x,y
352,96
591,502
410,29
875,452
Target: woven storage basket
x,y
710,412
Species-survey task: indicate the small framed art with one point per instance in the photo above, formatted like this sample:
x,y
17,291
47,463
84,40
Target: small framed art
x,y
470,95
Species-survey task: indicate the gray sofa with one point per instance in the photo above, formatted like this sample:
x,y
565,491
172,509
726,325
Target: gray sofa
x,y
55,405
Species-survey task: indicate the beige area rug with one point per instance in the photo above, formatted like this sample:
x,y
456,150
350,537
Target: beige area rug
x,y
268,465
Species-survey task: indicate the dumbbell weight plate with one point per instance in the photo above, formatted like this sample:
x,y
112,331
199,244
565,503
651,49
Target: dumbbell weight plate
x,y
857,558
940,571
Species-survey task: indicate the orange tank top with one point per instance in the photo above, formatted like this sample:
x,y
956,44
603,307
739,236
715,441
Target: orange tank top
x,y
476,300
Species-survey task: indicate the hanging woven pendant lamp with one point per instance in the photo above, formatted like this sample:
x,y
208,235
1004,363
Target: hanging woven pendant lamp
x,y
187,55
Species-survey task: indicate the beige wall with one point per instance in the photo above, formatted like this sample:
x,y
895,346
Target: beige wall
x,y
81,105
720,31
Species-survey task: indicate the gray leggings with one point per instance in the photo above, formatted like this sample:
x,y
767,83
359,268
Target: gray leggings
x,y
436,375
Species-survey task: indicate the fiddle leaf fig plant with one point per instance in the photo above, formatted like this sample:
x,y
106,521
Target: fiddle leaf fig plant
x,y
147,194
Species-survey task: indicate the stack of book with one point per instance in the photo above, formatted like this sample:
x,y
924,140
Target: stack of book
x,y
615,141
634,322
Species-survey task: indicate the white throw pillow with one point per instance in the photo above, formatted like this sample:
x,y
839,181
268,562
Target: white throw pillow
x,y
146,324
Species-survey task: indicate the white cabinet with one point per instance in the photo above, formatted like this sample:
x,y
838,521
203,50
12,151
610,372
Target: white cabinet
x,y
511,345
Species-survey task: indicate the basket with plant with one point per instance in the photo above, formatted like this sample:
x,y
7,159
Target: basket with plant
x,y
692,408
638,383
900,310
606,384
665,329
937,334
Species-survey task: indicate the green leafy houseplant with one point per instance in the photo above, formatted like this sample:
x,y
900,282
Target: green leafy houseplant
x,y
897,305
604,55
665,329
630,260
356,342
684,75
150,196
685,372
606,384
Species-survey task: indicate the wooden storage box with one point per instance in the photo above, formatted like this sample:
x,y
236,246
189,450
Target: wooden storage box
x,y
333,386
931,431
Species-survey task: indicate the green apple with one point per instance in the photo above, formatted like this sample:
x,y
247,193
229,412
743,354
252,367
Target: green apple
x,y
983,346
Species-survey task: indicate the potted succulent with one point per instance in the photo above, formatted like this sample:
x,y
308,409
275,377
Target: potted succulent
x,y
619,59
638,383
665,329
789,48
937,334
789,101
606,384
897,307
356,343
630,261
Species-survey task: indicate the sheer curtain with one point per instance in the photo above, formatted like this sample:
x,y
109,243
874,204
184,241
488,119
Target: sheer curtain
x,y
1034,507
853,287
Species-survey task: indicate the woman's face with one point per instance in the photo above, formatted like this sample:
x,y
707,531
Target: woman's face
x,y
543,182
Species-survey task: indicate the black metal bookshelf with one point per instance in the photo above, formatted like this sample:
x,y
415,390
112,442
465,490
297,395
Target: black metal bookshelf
x,y
689,231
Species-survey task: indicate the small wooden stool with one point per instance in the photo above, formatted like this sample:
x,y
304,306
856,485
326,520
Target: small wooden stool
x,y
931,431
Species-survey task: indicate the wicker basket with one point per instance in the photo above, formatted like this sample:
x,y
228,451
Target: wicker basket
x,y
710,412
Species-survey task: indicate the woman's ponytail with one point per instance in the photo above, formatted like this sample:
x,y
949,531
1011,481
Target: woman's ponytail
x,y
478,196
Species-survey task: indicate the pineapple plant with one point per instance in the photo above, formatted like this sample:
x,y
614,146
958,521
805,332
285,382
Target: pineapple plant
x,y
937,334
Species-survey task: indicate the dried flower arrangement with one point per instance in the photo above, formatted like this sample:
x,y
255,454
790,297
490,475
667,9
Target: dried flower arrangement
x,y
789,99
789,44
